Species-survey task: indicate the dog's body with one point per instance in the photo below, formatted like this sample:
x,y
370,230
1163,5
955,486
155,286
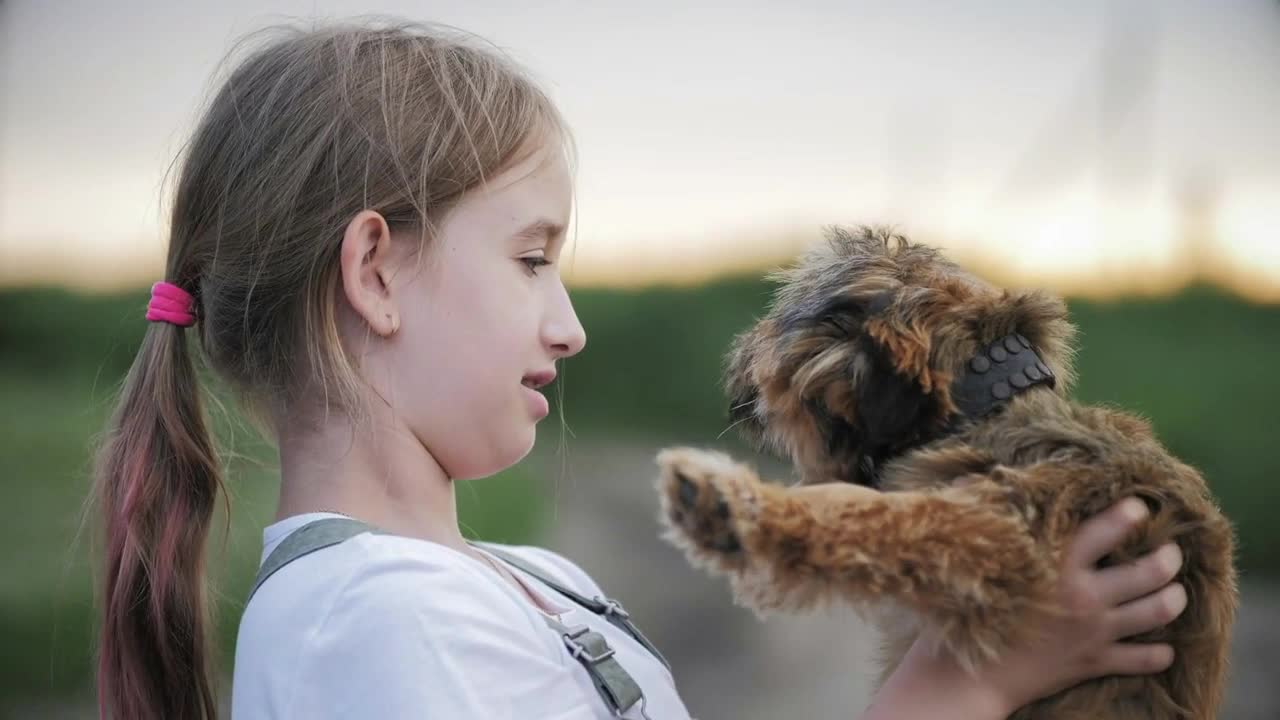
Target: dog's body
x,y
884,366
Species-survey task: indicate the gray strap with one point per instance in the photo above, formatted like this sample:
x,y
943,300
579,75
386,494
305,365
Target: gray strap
x,y
612,681
315,535
611,609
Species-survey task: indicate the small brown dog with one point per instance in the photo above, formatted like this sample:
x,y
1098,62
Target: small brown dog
x,y
941,402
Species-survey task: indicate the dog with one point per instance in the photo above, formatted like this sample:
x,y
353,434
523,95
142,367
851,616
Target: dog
x,y
942,470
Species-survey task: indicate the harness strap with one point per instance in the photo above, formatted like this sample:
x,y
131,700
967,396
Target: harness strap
x,y
315,535
611,609
619,691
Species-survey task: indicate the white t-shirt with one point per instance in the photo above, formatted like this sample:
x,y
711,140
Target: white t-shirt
x,y
382,626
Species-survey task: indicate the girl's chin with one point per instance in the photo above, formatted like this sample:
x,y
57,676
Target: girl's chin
x,y
504,459
520,446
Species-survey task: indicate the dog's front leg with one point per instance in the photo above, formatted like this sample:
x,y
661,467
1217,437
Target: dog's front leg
x,y
969,569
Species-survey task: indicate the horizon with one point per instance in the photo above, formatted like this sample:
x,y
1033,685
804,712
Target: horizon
x,y
1098,149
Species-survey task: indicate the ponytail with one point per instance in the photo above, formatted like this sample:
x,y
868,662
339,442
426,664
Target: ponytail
x,y
157,480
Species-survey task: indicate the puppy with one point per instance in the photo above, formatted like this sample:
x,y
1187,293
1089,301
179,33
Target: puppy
x,y
943,469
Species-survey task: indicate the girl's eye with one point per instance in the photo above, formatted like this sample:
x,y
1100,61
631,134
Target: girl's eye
x,y
534,262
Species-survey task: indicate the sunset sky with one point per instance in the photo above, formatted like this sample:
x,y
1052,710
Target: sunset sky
x,y
1096,147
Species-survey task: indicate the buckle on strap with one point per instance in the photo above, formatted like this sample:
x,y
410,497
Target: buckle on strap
x,y
580,651
612,607
616,687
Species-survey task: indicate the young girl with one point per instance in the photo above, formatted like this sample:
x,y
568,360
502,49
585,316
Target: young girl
x,y
365,242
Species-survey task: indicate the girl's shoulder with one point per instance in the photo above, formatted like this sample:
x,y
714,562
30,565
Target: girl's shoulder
x,y
408,627
380,575
383,565
557,567
414,581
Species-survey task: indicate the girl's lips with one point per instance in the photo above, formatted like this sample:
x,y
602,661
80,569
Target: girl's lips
x,y
537,402
538,378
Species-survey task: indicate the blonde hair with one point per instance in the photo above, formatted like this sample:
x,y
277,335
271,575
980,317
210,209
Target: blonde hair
x,y
311,127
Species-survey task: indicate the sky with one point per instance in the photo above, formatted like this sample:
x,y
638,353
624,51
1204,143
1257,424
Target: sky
x,y
1094,147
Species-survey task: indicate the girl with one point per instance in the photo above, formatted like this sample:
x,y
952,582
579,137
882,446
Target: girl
x,y
364,244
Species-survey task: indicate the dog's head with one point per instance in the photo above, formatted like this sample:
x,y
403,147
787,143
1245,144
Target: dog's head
x,y
854,362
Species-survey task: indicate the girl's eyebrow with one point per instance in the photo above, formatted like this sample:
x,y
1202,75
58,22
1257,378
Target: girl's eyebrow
x,y
540,228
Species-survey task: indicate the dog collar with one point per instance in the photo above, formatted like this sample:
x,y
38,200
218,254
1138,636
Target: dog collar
x,y
1007,367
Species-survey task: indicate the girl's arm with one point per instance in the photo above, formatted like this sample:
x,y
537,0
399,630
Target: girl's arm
x,y
1102,607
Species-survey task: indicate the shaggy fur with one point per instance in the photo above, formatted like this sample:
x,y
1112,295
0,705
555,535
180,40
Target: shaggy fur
x,y
949,522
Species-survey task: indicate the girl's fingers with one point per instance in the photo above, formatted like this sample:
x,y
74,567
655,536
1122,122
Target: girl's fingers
x,y
1104,532
1155,610
1137,659
1122,583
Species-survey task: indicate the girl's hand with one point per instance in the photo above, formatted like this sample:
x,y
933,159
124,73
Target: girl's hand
x,y
1101,607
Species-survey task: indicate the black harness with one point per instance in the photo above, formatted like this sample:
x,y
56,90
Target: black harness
x,y
1007,367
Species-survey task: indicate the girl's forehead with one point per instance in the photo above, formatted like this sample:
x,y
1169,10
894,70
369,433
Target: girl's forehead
x,y
535,190
542,162
530,200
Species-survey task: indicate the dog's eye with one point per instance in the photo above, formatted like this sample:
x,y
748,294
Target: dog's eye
x,y
834,322
842,315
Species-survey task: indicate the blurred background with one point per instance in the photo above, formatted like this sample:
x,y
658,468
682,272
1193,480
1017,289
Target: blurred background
x,y
1125,154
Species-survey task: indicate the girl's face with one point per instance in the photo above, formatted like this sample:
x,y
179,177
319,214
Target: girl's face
x,y
484,322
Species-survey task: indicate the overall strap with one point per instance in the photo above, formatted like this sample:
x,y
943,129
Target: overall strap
x,y
619,691
611,609
315,535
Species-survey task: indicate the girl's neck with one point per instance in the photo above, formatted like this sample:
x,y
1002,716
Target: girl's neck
x,y
382,475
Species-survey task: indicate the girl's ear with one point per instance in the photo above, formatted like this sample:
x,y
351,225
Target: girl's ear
x,y
368,264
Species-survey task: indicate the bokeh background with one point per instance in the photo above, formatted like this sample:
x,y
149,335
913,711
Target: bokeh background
x,y
1125,154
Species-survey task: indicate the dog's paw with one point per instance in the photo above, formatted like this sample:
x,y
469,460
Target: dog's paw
x,y
708,502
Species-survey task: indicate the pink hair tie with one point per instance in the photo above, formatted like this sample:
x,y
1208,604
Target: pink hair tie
x,y
171,304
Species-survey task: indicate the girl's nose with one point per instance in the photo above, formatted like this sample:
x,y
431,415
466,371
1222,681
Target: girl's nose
x,y
562,332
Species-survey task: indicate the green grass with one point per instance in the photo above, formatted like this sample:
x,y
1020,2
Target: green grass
x,y
1200,365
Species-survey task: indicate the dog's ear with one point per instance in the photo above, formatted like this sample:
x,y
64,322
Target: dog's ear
x,y
894,409
896,399
896,324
